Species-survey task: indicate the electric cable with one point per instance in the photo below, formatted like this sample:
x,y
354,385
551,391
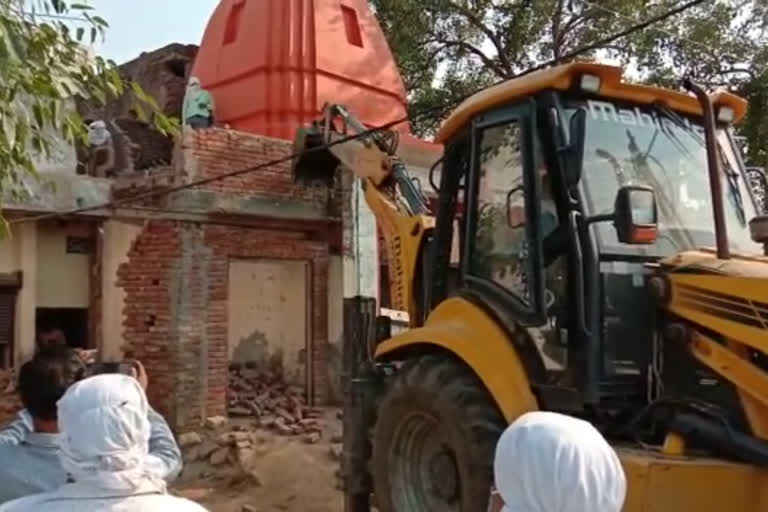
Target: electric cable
x,y
438,108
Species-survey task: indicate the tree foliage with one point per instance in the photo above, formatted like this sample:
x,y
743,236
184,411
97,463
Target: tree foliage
x,y
44,66
448,48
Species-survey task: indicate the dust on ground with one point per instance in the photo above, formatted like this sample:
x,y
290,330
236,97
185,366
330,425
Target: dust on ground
x,y
238,466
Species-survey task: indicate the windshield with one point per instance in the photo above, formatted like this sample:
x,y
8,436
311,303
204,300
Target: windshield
x,y
656,147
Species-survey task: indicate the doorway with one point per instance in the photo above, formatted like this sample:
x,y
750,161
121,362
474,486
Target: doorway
x,y
62,325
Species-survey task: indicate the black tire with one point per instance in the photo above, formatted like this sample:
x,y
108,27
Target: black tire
x,y
434,439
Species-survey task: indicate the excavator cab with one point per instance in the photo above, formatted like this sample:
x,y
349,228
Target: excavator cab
x,y
611,268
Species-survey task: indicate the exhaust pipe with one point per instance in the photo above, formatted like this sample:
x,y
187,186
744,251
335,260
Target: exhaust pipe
x,y
713,164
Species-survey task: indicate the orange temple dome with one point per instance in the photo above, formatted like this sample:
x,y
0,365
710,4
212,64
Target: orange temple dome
x,y
272,64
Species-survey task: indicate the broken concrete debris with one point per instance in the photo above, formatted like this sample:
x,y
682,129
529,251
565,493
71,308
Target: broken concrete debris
x,y
189,439
275,405
9,399
215,422
220,456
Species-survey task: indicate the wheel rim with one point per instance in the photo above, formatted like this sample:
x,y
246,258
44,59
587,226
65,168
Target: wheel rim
x,y
423,472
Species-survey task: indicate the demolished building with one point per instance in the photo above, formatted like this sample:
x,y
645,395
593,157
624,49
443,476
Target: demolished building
x,y
193,277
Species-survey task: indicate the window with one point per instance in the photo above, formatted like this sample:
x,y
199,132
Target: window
x,y
500,250
233,22
79,245
351,26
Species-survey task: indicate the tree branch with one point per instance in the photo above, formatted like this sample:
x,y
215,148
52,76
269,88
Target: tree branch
x,y
494,66
490,34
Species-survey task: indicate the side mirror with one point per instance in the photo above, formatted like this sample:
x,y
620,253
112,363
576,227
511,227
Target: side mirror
x,y
574,151
635,216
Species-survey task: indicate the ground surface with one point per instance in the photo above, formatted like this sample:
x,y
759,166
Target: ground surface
x,y
277,474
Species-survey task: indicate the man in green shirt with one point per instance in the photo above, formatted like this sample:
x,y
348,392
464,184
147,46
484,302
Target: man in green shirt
x,y
198,106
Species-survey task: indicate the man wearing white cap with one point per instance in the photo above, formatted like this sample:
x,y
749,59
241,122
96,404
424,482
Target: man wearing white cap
x,y
104,445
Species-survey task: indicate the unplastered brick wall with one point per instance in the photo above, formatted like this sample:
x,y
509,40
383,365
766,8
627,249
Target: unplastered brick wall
x,y
10,404
175,316
148,281
214,152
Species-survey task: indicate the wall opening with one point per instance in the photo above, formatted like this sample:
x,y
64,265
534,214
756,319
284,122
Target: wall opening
x,y
67,326
352,26
233,22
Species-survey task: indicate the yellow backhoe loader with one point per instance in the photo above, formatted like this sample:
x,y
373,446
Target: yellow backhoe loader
x,y
612,268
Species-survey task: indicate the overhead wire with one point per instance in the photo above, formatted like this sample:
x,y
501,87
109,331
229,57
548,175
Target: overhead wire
x,y
152,194
618,14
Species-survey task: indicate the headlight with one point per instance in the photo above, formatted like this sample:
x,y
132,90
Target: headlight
x,y
725,115
590,83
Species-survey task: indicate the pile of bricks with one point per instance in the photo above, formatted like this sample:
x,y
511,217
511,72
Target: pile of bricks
x,y
219,444
276,406
10,404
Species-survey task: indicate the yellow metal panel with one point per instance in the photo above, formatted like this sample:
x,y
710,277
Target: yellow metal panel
x,y
562,78
658,483
733,306
752,266
462,328
403,236
746,376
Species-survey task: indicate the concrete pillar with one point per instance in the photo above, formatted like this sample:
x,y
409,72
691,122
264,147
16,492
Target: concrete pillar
x,y
117,238
26,303
360,244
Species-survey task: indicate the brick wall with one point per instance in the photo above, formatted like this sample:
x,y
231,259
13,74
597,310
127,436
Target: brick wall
x,y
147,279
162,73
214,152
176,283
9,399
232,242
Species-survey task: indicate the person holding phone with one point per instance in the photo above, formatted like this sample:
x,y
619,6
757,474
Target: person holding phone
x,y
104,446
33,440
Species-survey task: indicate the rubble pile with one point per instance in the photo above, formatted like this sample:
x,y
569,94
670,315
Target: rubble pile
x,y
227,448
273,404
220,447
10,404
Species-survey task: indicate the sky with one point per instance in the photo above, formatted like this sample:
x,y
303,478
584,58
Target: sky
x,y
141,25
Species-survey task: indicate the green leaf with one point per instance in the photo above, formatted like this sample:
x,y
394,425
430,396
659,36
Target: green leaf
x,y
98,20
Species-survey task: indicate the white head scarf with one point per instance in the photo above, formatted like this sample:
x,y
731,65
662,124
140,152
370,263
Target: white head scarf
x,y
105,434
548,462
194,83
98,133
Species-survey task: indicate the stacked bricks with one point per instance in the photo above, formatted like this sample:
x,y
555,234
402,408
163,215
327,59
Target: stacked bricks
x,y
216,152
10,403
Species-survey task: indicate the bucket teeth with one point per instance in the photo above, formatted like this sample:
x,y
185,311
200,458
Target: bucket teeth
x,y
314,162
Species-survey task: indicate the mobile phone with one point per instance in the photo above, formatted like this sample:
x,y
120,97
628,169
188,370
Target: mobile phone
x,y
120,367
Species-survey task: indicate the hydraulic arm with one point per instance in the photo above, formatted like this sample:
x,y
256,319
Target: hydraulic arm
x,y
338,139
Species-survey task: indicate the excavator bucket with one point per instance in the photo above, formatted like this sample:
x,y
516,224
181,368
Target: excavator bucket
x,y
314,161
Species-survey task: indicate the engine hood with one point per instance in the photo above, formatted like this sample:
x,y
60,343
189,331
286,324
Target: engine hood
x,y
705,261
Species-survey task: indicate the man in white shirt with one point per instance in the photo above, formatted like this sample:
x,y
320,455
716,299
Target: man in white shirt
x,y
104,446
32,441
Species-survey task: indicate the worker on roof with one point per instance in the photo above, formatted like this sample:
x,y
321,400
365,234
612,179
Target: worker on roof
x,y
101,149
33,441
104,447
549,462
198,106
